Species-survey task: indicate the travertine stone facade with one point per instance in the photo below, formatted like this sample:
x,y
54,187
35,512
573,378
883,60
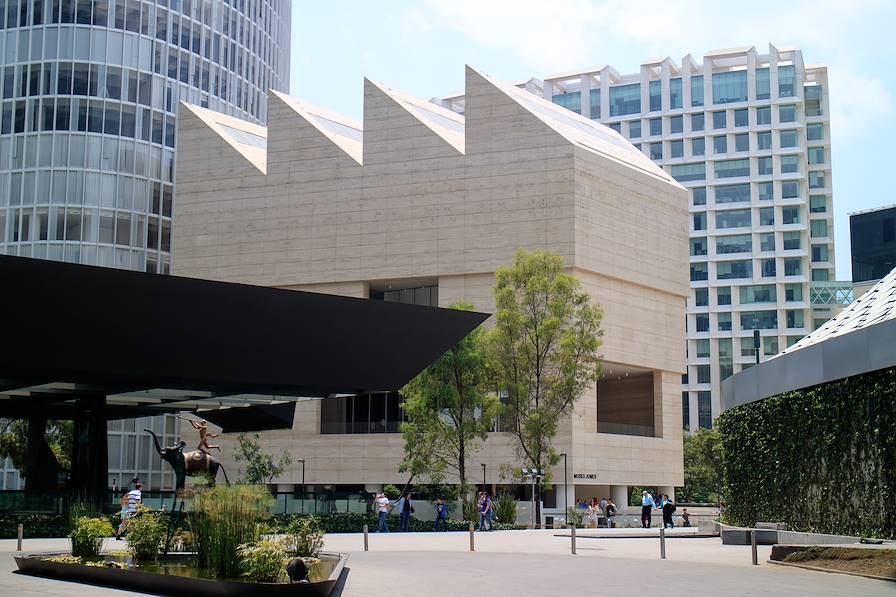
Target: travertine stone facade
x,y
420,196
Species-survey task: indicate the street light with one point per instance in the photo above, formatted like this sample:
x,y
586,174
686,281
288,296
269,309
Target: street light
x,y
565,486
535,474
302,460
483,477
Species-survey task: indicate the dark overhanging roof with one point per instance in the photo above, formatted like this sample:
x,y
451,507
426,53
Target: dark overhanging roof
x,y
157,343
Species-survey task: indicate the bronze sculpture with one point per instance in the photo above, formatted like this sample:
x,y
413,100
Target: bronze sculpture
x,y
192,463
204,434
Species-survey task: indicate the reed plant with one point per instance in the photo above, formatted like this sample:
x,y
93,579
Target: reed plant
x,y
223,518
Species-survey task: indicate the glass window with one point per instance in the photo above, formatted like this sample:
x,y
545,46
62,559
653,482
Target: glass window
x,y
732,168
758,320
594,96
746,347
770,345
816,180
818,228
794,318
676,149
790,164
702,322
685,411
815,131
655,93
676,124
767,216
742,117
790,189
791,240
742,142
792,266
733,193
698,246
656,150
703,374
739,243
816,155
723,295
702,346
698,146
766,192
767,241
768,268
734,218
720,144
789,138
812,94
793,292
764,166
616,126
729,87
700,220
697,90
697,122
787,113
699,195
625,99
820,275
724,320
701,298
699,272
674,93
818,203
790,215
634,129
726,358
731,270
656,126
764,140
764,115
570,101
763,88
786,75
719,120
704,410
686,172
819,253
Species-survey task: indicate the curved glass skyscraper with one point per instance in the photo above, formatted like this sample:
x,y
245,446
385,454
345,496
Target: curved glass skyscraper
x,y
87,127
87,124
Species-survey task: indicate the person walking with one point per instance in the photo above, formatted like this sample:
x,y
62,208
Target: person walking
x,y
405,508
382,509
610,511
668,507
441,515
132,499
485,505
686,517
594,512
647,504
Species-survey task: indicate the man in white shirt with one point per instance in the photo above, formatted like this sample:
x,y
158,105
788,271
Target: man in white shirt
x,y
132,499
382,507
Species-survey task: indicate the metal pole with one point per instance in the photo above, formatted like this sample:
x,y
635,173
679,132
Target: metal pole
x,y
472,540
483,478
303,485
753,548
21,534
662,543
565,487
533,503
756,344
573,535
365,537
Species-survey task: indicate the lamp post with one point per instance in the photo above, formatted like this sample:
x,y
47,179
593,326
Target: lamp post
x,y
565,486
302,460
483,477
535,475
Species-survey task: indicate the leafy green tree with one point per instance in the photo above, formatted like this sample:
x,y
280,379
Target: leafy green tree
x,y
14,442
449,410
702,467
544,347
260,465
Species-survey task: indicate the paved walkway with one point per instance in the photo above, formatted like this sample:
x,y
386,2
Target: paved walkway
x,y
524,563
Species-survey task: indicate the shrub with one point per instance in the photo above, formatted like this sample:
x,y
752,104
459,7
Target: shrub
x,y
505,508
305,538
263,560
146,533
392,492
223,518
471,509
574,516
87,536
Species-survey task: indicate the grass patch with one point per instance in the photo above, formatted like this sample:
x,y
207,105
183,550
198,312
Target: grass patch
x,y
875,562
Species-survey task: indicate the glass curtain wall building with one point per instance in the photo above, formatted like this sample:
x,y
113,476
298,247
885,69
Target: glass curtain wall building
x,y
749,135
90,90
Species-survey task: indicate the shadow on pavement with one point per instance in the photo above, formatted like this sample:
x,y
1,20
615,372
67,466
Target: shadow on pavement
x,y
340,584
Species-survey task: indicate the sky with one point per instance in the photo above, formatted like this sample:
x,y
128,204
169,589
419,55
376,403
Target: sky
x,y
420,47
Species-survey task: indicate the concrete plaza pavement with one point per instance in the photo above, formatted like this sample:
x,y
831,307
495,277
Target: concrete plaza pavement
x,y
525,563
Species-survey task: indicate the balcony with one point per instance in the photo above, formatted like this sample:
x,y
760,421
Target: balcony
x,y
837,293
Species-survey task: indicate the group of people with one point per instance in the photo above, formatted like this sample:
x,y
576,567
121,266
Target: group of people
x,y
595,509
486,511
405,507
666,504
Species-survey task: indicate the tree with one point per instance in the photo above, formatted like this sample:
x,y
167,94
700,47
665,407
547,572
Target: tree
x,y
449,410
14,442
260,466
702,467
544,347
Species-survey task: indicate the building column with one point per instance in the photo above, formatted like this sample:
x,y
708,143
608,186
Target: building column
x,y
90,448
40,465
619,493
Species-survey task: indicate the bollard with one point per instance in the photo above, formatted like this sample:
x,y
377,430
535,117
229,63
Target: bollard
x,y
21,534
573,535
365,537
472,541
753,548
663,543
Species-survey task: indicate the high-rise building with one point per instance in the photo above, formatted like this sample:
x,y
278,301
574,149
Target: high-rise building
x,y
873,244
749,135
90,90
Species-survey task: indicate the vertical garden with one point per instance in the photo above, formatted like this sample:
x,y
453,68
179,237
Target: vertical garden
x,y
821,459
